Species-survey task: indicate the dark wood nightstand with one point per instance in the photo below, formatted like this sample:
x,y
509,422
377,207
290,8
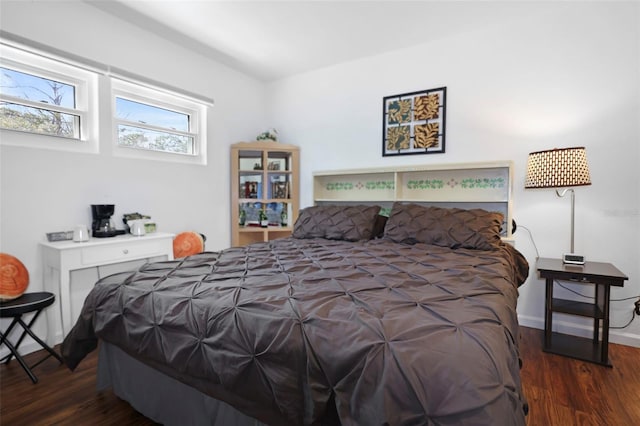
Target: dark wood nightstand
x,y
603,275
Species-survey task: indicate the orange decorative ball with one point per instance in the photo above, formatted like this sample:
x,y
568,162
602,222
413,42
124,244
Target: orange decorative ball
x,y
187,243
14,277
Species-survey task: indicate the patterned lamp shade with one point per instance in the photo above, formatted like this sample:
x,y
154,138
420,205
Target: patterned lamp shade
x,y
556,168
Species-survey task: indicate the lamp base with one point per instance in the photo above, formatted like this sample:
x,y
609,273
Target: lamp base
x,y
572,258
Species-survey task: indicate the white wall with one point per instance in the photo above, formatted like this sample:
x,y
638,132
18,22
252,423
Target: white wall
x,y
44,190
566,75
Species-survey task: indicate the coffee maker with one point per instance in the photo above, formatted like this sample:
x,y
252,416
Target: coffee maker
x,y
101,226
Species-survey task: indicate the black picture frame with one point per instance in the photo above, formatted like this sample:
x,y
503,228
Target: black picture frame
x,y
414,123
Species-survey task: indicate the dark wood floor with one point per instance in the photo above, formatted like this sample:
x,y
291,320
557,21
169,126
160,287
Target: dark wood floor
x,y
564,391
561,391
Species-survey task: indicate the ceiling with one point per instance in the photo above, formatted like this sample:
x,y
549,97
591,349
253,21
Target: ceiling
x,y
270,40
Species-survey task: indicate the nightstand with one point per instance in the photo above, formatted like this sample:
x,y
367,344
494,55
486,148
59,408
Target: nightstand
x,y
603,276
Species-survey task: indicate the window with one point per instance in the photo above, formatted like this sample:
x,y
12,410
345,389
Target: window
x,y
41,97
149,127
154,124
39,105
54,100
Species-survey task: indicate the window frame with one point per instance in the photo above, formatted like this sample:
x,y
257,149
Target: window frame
x,y
85,83
160,98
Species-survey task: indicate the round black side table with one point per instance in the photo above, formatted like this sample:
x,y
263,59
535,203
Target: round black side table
x,y
25,304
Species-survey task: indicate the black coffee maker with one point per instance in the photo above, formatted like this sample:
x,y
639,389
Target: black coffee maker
x,y
101,226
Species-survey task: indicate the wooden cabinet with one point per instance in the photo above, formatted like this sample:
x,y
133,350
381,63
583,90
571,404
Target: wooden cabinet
x,y
264,184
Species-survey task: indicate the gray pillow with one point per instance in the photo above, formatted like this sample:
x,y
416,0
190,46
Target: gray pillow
x,y
333,222
445,227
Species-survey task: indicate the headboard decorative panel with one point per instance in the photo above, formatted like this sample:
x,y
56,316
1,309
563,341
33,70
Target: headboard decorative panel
x,y
464,185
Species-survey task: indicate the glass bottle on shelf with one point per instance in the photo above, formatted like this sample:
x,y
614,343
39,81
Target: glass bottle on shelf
x,y
264,221
283,216
243,216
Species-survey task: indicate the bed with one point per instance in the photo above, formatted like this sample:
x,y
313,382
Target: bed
x,y
356,319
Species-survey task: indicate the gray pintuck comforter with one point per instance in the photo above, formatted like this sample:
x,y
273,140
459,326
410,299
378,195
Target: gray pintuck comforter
x,y
312,331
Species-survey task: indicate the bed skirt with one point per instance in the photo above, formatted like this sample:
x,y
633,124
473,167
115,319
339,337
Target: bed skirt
x,y
160,397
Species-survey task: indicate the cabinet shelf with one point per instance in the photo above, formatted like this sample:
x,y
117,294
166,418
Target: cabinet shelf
x,y
264,200
252,228
264,177
260,172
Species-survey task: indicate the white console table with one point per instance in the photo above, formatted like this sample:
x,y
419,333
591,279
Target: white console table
x,y
60,258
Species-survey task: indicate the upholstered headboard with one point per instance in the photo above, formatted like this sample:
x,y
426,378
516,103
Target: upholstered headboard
x,y
464,185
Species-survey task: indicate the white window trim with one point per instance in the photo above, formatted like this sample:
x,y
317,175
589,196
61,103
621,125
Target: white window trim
x,y
96,102
86,84
162,98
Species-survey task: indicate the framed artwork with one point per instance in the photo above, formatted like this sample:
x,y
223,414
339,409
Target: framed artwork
x,y
414,123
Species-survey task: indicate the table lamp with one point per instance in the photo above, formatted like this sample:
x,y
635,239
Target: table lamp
x,y
560,168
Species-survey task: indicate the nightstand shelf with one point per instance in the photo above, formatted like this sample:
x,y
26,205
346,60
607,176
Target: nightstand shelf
x,y
582,309
576,347
603,276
